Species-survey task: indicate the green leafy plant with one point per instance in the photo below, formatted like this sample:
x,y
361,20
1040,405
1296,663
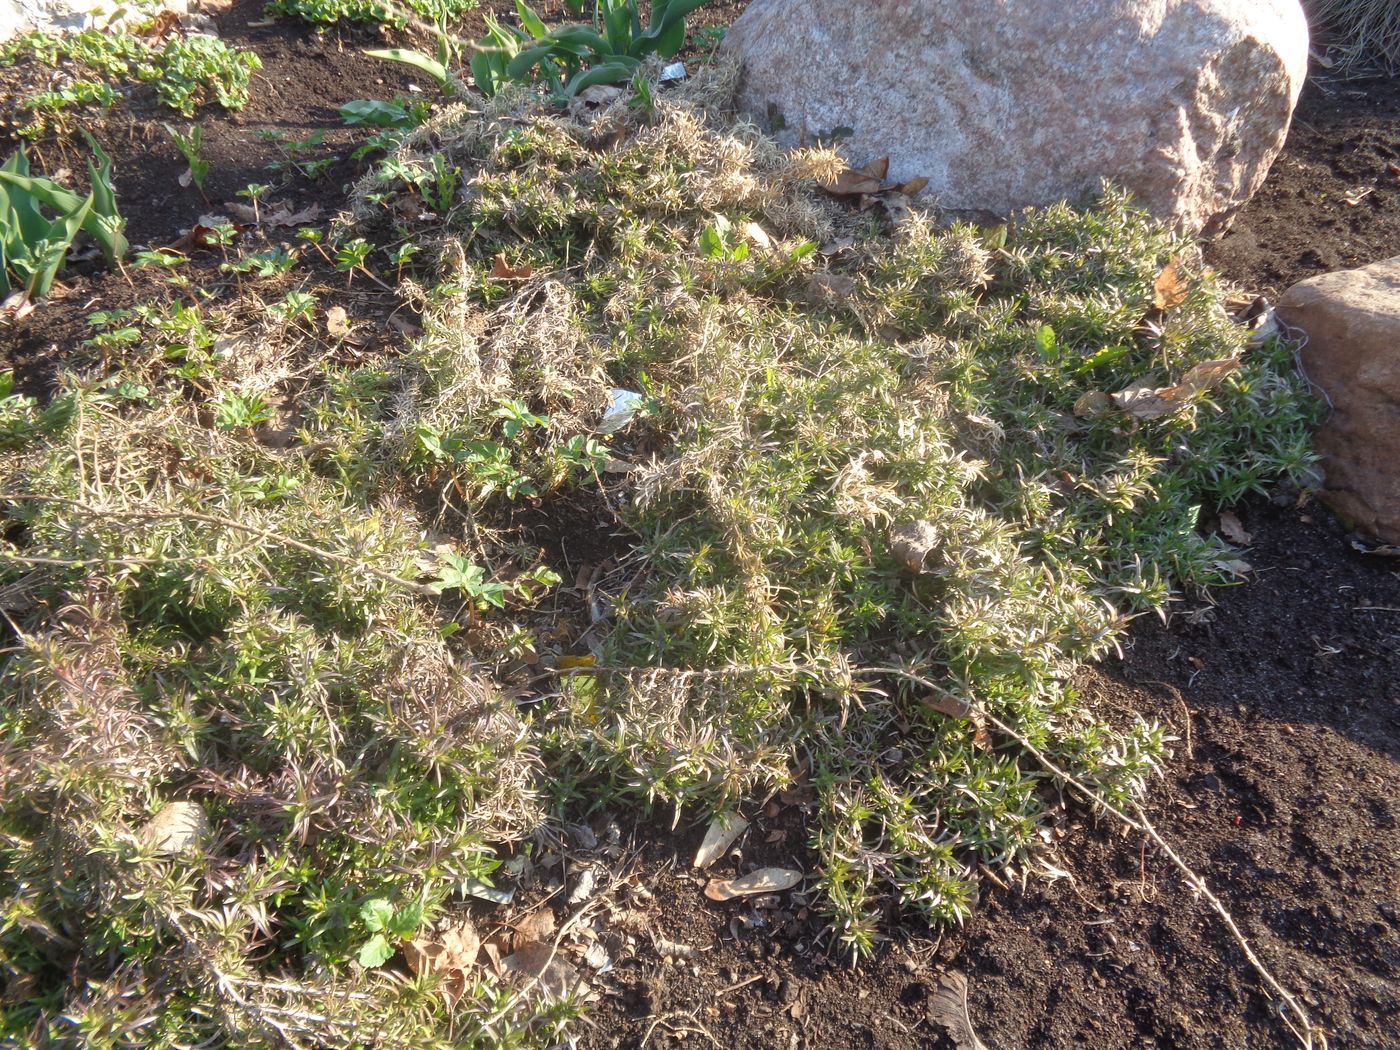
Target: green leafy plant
x,y
720,240
388,927
240,411
191,147
567,59
33,246
187,71
462,574
196,67
370,12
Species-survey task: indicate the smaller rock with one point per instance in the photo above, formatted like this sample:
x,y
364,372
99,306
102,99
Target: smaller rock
x,y
1352,356
177,827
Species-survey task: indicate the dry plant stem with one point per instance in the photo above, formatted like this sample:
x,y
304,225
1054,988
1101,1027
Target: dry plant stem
x,y
227,523
1308,1035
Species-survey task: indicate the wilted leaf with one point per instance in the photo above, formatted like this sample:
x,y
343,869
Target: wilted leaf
x,y
535,928
1094,403
178,826
1169,289
540,966
953,707
1233,529
1235,566
947,1006
756,235
450,954
912,543
723,830
854,182
337,326
501,270
279,216
764,880
1144,402
829,288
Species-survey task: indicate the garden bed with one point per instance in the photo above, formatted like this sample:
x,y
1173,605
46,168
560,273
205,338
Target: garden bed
x,y
1281,790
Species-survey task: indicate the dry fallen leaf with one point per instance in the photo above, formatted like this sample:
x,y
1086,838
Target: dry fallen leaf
x,y
537,927
1145,402
953,707
854,182
757,236
279,216
337,325
723,830
1169,289
539,967
1094,403
764,880
827,288
1235,566
947,1006
501,270
451,953
912,543
1233,529
175,828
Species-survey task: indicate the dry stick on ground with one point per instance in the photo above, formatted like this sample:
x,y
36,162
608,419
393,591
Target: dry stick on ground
x,y
1309,1036
141,514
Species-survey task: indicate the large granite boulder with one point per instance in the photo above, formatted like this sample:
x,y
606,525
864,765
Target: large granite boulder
x,y
1352,322
1007,103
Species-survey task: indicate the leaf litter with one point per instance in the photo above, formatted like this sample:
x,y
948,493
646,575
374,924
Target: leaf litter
x,y
947,1006
722,833
764,880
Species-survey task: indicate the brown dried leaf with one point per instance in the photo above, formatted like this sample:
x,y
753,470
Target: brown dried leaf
x,y
1233,529
1169,289
337,323
537,927
947,1006
1094,403
1145,402
162,23
830,288
723,830
954,707
757,236
501,270
279,216
451,953
854,182
539,967
912,543
764,880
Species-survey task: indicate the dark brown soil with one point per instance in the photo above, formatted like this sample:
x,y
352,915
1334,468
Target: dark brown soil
x,y
1332,200
1284,788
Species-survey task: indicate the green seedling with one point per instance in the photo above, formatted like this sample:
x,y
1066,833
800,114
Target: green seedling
x,y
191,147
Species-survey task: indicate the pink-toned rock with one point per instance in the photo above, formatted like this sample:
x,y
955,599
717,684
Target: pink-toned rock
x,y
1352,322
1007,103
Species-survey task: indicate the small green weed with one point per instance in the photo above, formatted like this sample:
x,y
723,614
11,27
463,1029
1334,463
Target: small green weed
x,y
187,71
191,147
370,12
